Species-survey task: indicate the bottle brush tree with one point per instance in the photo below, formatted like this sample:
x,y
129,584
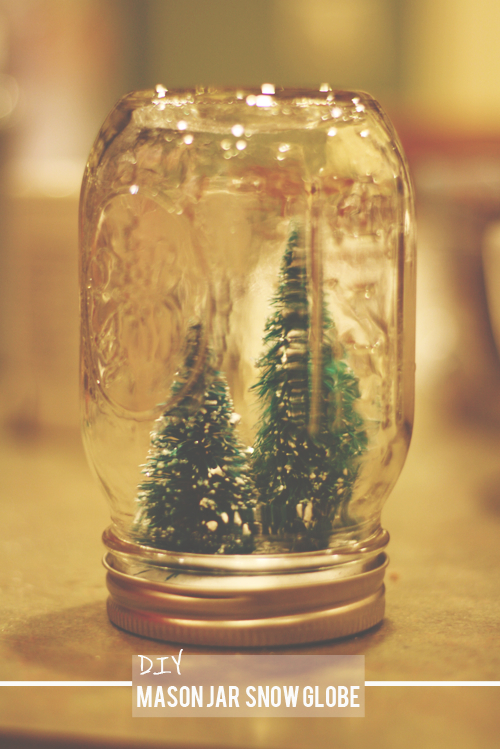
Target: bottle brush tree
x,y
197,495
305,477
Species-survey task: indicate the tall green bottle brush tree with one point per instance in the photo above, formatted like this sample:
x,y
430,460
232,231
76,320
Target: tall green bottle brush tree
x,y
304,477
197,495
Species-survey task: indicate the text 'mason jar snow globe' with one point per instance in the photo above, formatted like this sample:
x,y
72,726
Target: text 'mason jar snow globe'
x,y
247,286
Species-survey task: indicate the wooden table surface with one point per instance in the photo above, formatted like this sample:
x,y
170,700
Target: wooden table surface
x,y
442,620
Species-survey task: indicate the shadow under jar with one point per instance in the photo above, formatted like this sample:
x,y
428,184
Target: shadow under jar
x,y
247,359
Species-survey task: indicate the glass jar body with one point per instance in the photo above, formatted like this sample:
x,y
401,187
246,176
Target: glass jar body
x,y
247,286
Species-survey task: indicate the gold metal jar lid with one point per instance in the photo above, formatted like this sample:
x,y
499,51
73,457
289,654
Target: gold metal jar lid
x,y
249,610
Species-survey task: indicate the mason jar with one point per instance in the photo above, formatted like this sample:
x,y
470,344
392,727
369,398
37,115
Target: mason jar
x,y
247,358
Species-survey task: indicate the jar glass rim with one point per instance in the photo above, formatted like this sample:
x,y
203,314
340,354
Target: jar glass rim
x,y
266,109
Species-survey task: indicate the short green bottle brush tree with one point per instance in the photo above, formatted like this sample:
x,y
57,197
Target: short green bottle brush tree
x,y
197,495
304,478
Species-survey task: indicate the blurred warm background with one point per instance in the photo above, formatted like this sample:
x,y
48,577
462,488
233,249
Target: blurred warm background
x,y
435,67
433,64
